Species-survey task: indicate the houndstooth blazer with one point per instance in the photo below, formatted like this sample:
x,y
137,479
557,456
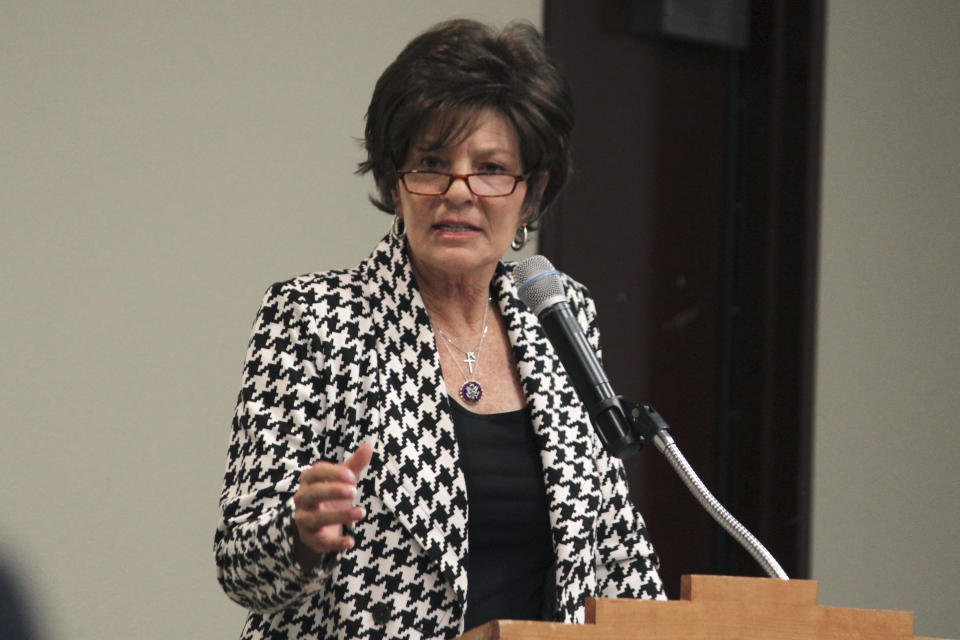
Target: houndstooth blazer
x,y
343,357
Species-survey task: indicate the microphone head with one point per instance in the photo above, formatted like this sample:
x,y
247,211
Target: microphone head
x,y
538,283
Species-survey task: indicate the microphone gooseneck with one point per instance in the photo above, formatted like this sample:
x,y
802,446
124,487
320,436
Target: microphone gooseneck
x,y
622,432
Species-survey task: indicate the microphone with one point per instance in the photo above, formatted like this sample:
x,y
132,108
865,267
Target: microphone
x,y
541,289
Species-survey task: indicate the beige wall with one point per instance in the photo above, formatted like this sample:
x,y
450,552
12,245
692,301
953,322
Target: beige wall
x,y
886,518
161,163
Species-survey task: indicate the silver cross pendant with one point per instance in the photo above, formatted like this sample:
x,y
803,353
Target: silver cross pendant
x,y
470,360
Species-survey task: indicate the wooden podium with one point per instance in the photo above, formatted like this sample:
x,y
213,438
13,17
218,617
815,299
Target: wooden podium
x,y
715,608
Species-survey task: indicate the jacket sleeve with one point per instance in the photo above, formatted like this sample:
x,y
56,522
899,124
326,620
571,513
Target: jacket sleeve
x,y
273,439
627,565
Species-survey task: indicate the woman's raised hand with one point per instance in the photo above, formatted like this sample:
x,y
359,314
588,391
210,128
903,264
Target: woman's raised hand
x,y
324,503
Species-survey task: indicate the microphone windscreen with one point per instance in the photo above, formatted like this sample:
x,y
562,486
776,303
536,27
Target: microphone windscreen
x,y
538,283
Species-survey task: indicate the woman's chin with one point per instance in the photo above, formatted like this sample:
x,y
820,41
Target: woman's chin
x,y
458,258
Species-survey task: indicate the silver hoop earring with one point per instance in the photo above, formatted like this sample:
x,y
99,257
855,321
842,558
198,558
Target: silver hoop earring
x,y
398,229
519,239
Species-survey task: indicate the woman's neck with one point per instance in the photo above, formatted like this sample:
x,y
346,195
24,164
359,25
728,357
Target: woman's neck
x,y
456,304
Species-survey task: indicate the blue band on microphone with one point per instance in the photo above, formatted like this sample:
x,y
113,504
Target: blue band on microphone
x,y
537,277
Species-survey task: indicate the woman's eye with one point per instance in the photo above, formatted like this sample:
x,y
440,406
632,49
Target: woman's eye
x,y
492,167
430,162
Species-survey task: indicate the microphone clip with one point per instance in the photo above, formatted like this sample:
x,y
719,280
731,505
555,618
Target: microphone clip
x,y
646,425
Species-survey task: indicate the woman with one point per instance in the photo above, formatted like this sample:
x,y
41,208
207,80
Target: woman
x,y
408,458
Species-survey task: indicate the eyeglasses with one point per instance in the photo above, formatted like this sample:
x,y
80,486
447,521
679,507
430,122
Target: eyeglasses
x,y
436,183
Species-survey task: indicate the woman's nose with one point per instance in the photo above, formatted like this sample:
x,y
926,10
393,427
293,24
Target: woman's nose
x,y
459,189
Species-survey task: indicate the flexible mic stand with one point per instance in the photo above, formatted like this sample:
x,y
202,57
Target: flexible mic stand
x,y
649,426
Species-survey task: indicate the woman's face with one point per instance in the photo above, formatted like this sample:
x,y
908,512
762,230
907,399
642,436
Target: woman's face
x,y
459,234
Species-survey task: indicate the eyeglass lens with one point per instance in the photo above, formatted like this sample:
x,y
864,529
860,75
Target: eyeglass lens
x,y
481,184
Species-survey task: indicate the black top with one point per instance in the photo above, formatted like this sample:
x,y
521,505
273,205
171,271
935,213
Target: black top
x,y
510,552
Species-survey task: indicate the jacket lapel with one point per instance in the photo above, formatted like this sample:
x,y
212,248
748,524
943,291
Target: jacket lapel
x,y
562,427
418,473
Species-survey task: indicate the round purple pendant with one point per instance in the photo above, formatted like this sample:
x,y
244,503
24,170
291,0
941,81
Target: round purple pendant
x,y
471,391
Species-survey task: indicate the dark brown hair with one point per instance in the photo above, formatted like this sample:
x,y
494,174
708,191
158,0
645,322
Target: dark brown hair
x,y
445,76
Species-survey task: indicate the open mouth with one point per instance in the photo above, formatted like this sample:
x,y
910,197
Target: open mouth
x,y
455,227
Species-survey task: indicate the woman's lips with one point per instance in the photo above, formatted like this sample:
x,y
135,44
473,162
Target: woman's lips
x,y
455,233
455,226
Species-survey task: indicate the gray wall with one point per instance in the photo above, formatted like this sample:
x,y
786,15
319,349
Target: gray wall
x,y
162,163
886,518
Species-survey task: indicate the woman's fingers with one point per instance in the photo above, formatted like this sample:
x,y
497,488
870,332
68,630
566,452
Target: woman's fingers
x,y
328,472
324,501
311,495
321,529
359,460
322,542
327,515
347,472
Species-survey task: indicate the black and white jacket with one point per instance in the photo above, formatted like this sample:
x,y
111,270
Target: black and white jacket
x,y
343,357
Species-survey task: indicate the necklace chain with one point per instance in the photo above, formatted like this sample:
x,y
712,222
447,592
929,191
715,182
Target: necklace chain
x,y
470,391
472,356
472,359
